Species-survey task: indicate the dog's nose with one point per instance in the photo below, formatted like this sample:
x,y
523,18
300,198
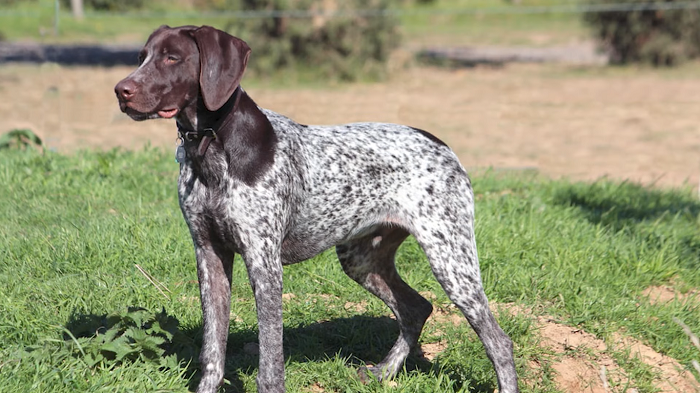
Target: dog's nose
x,y
125,89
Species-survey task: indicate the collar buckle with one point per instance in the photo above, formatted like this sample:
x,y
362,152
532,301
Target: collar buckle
x,y
193,135
207,135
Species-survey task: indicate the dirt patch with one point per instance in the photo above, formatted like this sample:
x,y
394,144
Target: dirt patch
x,y
428,295
663,294
315,388
358,308
582,364
672,376
449,314
560,120
431,350
585,362
581,361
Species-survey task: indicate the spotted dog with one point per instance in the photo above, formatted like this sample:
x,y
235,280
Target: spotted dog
x,y
256,183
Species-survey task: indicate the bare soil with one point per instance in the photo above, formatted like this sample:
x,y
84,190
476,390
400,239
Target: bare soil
x,y
581,122
663,294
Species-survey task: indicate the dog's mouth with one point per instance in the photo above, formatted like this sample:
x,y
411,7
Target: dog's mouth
x,y
138,115
168,113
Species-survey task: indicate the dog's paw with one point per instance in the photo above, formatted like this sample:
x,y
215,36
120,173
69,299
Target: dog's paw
x,y
367,374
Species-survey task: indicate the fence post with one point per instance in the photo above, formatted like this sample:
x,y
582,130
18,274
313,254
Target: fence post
x,y
77,9
56,17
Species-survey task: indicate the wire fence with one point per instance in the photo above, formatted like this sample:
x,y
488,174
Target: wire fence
x,y
447,36
498,10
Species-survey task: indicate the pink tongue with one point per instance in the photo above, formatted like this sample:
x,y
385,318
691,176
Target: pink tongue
x,y
167,114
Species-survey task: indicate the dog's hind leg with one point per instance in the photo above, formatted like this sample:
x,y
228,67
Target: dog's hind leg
x,y
451,250
370,262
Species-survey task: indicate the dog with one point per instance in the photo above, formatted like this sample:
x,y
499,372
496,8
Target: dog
x,y
277,192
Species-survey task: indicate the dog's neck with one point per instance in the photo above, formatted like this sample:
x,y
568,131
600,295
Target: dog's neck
x,y
205,125
238,132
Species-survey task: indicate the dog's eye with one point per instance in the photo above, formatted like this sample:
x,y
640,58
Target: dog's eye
x,y
171,59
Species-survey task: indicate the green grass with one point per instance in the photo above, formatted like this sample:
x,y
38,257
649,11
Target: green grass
x,y
423,25
73,227
36,20
444,28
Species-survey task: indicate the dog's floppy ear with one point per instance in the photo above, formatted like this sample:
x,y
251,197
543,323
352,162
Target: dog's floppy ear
x,y
223,60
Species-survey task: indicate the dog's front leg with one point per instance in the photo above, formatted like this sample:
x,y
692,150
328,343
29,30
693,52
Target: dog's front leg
x,y
265,275
214,273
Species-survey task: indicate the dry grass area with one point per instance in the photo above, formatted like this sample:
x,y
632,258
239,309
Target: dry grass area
x,y
583,123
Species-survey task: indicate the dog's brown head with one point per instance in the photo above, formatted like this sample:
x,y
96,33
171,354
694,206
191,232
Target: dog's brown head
x,y
178,65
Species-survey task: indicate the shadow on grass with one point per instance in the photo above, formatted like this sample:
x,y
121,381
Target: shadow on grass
x,y
360,339
653,214
626,204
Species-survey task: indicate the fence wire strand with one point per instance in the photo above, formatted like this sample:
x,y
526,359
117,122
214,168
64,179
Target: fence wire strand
x,y
502,10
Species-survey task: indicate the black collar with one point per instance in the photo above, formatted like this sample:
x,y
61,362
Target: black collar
x,y
207,135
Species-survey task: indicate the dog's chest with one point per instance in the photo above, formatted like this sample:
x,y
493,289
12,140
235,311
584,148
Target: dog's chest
x,y
209,208
224,210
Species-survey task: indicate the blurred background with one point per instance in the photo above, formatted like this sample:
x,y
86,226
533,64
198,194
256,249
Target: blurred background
x,y
568,88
